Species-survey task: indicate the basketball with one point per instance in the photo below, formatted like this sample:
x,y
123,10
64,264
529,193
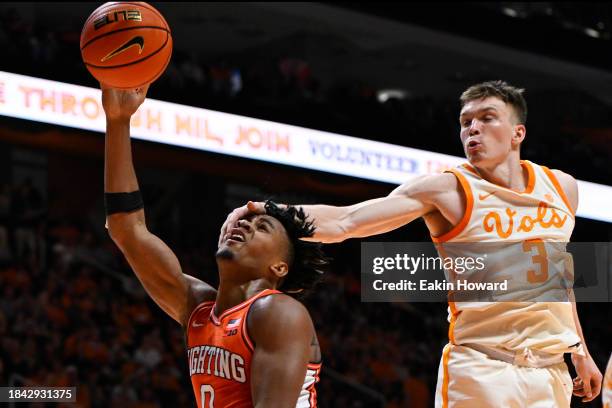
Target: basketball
x,y
126,44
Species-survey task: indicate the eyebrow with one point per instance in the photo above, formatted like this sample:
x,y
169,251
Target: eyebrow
x,y
267,221
486,108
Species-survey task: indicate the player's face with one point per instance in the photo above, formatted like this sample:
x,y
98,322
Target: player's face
x,y
255,243
487,129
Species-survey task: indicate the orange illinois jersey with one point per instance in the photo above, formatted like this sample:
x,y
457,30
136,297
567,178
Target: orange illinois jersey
x,y
219,353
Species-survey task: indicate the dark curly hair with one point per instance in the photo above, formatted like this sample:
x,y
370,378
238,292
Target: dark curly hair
x,y
307,261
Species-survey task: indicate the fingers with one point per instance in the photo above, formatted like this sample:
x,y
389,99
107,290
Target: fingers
x,y
231,219
257,208
587,389
143,90
578,387
237,214
594,388
224,228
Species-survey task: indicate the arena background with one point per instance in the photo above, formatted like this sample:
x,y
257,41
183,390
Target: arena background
x,y
71,312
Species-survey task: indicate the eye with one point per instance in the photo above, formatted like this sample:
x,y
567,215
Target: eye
x,y
262,227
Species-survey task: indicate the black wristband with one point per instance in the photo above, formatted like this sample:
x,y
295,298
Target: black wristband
x,y
122,202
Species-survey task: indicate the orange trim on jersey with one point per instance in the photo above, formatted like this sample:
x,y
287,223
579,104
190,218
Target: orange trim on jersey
x,y
312,401
445,380
193,312
558,187
245,331
245,334
471,169
531,179
469,204
453,321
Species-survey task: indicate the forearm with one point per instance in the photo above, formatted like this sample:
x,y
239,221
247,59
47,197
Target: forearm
x,y
371,217
119,173
577,321
330,222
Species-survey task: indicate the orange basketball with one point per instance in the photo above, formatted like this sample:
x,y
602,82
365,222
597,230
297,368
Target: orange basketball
x,y
126,44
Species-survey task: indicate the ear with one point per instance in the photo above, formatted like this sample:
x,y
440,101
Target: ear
x,y
280,269
519,134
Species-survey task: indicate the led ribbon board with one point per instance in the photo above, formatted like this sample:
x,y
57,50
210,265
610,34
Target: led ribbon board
x,y
196,128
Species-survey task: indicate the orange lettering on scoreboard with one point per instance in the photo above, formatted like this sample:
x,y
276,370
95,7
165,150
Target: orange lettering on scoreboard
x,y
196,127
151,119
258,139
61,102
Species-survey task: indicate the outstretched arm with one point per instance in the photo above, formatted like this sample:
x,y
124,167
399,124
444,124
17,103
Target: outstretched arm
x,y
282,331
154,263
335,224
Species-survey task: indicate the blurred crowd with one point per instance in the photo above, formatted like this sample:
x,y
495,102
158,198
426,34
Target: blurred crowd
x,y
73,314
286,88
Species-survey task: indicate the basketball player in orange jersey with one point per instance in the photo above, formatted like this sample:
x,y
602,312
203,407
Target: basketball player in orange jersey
x,y
500,354
248,343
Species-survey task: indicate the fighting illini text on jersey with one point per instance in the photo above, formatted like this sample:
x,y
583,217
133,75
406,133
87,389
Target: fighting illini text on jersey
x,y
219,353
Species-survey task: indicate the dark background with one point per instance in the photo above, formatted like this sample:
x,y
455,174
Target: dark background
x,y
71,312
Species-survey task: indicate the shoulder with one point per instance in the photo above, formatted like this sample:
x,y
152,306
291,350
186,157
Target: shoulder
x,y
278,307
569,185
278,314
566,180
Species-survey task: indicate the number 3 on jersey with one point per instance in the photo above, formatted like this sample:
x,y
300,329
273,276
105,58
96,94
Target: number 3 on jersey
x,y
541,258
207,389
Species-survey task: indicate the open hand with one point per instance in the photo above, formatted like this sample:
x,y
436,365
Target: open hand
x,y
238,213
120,103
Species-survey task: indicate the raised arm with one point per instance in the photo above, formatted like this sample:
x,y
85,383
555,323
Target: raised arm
x,y
282,331
409,201
154,263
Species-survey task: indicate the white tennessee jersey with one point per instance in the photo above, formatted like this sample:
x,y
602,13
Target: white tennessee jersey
x,y
606,388
523,235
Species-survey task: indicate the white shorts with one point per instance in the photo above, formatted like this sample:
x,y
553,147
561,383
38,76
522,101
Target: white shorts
x,y
470,379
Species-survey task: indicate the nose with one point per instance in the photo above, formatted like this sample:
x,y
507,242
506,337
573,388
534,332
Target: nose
x,y
474,128
244,224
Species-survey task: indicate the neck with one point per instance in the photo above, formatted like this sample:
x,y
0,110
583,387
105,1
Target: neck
x,y
508,173
232,293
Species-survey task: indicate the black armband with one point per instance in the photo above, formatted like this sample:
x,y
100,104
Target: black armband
x,y
122,202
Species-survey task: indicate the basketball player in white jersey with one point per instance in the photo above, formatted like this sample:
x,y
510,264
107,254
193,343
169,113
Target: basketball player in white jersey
x,y
502,354
606,393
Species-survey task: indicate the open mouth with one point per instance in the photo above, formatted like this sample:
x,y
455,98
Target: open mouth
x,y
236,234
472,144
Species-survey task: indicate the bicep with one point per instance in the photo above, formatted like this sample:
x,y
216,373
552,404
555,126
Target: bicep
x,y
278,374
160,273
282,333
